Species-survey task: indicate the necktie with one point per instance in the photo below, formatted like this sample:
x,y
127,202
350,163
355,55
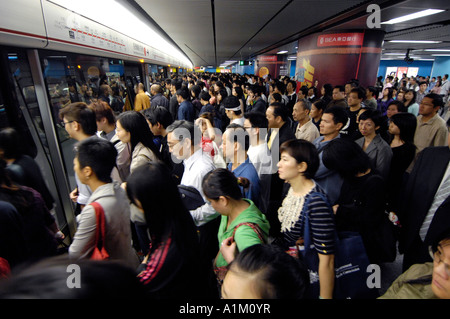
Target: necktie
x,y
442,193
272,138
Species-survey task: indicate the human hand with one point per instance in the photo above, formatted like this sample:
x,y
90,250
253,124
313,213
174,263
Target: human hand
x,y
228,249
74,195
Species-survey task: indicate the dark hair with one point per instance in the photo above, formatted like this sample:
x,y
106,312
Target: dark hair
x,y
442,235
407,124
341,88
304,90
239,92
205,96
390,93
209,116
413,100
373,115
196,90
152,185
303,151
328,89
400,106
99,154
237,133
179,126
437,99
10,143
359,91
184,93
257,119
280,110
135,123
280,276
320,105
346,157
158,114
103,110
81,113
280,86
373,90
221,182
49,278
223,93
277,97
256,89
12,193
231,102
339,114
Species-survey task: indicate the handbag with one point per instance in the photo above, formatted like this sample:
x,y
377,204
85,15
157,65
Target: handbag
x,y
191,197
99,252
220,272
350,263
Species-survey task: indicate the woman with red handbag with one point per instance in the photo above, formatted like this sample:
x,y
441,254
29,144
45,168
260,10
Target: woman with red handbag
x,y
93,163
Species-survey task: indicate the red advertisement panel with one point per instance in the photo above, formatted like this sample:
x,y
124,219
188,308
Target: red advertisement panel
x,y
339,57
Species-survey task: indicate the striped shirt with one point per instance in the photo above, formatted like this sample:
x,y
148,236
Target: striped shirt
x,y
322,225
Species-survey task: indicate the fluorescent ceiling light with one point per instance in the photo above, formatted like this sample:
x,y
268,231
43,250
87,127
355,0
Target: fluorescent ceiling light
x,y
393,53
113,14
438,50
282,52
412,16
413,41
441,54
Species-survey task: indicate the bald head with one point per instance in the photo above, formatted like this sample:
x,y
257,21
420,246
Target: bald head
x,y
155,89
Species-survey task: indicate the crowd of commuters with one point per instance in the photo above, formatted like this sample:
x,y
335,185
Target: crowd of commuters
x,y
207,182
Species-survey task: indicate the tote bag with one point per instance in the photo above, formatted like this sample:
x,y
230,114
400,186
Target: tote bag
x,y
350,263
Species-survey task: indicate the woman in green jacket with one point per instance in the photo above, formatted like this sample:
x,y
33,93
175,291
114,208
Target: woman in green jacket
x,y
241,223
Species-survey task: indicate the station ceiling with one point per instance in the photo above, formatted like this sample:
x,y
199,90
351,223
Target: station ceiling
x,y
211,32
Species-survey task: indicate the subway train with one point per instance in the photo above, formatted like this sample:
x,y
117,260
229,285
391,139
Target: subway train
x,y
47,55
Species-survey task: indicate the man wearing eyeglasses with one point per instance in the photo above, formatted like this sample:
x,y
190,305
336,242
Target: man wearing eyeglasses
x,y
430,280
80,123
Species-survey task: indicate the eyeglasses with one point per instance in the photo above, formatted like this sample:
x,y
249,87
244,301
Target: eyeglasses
x,y
65,123
437,259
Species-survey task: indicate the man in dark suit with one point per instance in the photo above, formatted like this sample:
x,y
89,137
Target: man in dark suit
x,y
279,132
426,204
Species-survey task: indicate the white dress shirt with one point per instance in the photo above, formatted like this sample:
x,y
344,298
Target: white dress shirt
x,y
195,168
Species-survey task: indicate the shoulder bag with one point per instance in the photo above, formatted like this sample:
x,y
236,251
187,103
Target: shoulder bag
x,y
350,262
222,271
99,252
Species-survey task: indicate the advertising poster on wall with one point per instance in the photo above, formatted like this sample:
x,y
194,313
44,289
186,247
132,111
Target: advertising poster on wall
x,y
274,65
339,57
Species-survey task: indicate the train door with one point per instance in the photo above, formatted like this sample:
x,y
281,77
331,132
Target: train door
x,y
133,75
22,107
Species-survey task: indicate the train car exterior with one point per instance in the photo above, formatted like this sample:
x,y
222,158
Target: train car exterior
x,y
48,56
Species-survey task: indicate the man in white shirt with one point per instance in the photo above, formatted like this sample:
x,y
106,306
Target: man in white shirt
x,y
79,122
256,125
183,139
